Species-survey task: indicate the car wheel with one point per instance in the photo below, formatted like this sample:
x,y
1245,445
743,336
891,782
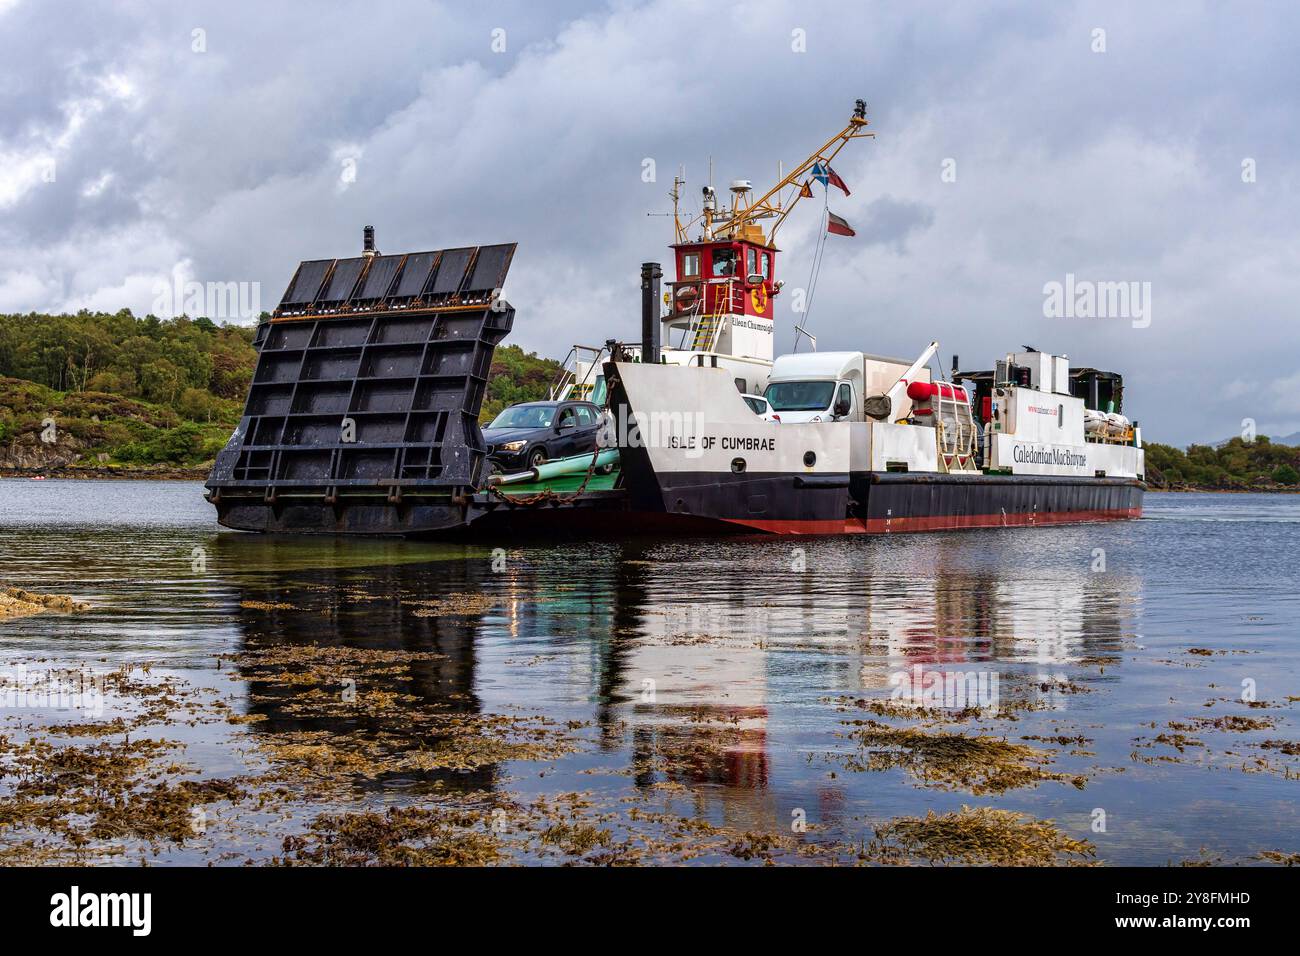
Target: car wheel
x,y
537,457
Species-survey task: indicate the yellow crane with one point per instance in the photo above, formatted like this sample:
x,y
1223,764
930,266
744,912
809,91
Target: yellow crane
x,y
741,220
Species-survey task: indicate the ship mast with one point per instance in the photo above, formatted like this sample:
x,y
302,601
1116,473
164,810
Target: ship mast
x,y
736,222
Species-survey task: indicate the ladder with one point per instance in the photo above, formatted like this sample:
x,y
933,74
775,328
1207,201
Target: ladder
x,y
710,324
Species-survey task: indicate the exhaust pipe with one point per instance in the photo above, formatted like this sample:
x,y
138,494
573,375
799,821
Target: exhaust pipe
x,y
651,273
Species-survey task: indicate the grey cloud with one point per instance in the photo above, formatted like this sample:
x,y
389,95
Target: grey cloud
x,y
1116,166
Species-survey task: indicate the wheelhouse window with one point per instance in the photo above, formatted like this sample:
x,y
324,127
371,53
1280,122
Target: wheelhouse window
x,y
751,262
766,260
724,262
691,265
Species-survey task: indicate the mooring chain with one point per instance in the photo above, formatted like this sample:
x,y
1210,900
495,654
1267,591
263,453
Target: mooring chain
x,y
548,494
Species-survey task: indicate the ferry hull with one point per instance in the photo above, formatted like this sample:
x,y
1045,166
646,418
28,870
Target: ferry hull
x,y
888,503
750,476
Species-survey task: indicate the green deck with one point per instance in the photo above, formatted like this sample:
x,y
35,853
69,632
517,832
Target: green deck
x,y
562,484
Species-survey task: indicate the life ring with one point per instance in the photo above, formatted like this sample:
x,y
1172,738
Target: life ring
x,y
687,296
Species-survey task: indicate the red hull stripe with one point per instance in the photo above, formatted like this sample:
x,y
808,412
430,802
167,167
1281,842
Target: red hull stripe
x,y
936,522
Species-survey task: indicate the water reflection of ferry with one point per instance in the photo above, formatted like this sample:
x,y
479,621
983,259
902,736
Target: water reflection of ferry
x,y
1029,630
692,679
364,609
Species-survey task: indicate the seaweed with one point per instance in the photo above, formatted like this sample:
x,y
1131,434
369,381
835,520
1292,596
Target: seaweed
x,y
978,836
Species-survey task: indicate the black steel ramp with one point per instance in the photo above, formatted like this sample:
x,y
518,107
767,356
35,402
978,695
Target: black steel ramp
x,y
362,416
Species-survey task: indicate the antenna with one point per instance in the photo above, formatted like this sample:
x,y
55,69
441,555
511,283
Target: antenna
x,y
675,194
800,330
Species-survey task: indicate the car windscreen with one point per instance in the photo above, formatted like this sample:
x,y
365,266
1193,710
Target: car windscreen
x,y
799,396
525,416
757,405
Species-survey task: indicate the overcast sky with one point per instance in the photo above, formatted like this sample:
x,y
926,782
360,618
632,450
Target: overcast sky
x,y
226,141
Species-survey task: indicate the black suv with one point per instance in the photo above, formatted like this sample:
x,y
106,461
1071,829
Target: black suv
x,y
527,434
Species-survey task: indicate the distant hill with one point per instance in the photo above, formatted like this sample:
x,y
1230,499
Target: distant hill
x,y
42,430
96,389
98,392
1263,465
517,376
1292,439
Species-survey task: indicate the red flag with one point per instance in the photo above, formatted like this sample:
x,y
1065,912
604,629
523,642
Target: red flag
x,y
837,226
805,191
834,178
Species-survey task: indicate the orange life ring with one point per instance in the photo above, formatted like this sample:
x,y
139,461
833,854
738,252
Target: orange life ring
x,y
686,296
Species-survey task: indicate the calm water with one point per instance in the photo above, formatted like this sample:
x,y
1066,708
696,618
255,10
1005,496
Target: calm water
x,y
775,640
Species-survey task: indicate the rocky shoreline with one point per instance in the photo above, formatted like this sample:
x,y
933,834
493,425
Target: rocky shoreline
x,y
111,473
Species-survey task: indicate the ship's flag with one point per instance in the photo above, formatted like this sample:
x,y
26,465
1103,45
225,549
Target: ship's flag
x,y
837,226
834,177
805,191
823,173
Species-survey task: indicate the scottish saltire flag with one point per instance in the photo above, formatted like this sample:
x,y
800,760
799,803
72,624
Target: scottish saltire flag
x,y
823,173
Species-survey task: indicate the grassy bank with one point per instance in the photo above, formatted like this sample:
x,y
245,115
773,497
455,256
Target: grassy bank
x,y
101,395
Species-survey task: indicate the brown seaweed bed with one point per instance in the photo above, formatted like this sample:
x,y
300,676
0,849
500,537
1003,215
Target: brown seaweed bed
x,y
90,791
397,774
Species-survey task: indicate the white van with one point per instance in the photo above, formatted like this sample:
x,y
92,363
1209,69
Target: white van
x,y
831,386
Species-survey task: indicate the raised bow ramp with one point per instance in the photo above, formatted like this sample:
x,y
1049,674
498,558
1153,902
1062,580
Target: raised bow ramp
x,y
362,416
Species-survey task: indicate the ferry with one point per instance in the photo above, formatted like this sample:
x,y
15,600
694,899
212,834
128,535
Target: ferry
x,y
857,442
362,417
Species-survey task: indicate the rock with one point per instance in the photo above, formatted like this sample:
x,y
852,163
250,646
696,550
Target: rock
x,y
26,452
15,602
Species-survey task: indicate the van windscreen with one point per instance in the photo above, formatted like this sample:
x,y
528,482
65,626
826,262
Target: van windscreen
x,y
799,396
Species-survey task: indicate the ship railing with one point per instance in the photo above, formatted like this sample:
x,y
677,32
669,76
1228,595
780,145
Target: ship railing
x,y
1126,437
578,373
690,313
